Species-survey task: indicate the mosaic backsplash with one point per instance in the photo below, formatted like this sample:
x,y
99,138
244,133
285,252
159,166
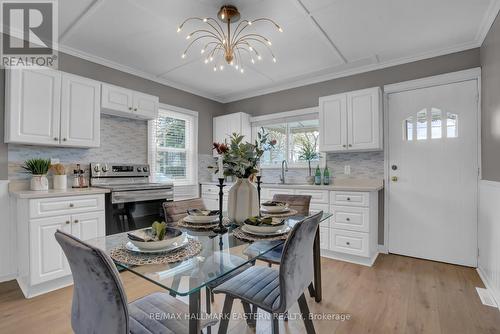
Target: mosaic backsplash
x,y
122,140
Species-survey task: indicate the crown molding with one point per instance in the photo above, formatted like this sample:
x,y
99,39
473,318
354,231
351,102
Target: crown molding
x,y
136,72
488,21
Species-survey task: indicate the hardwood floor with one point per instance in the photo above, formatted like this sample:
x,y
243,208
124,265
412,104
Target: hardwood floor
x,y
397,295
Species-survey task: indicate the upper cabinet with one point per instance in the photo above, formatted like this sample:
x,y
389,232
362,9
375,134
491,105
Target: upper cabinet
x,y
351,121
128,103
225,126
48,107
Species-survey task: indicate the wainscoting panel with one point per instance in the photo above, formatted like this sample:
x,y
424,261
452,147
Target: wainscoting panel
x,y
8,265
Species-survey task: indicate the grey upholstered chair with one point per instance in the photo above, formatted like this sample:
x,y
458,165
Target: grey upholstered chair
x,y
175,211
276,290
99,301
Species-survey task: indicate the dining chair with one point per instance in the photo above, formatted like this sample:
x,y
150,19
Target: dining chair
x,y
275,290
100,303
175,211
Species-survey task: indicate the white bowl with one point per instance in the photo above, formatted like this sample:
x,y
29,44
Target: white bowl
x,y
201,219
158,245
274,209
264,228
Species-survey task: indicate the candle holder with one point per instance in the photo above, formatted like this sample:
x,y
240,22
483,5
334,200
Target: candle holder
x,y
258,190
220,228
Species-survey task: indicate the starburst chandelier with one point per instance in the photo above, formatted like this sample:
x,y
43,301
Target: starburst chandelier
x,y
229,47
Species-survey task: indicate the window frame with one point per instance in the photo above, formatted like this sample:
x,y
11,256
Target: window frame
x,y
286,118
191,152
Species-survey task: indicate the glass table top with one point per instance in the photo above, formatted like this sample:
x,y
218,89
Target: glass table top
x,y
220,255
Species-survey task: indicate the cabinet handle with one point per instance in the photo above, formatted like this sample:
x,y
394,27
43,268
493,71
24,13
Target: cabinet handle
x,y
344,145
76,221
135,109
348,198
56,139
71,205
129,108
348,219
350,145
64,139
347,243
67,221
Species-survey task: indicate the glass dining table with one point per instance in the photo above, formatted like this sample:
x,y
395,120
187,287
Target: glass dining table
x,y
220,255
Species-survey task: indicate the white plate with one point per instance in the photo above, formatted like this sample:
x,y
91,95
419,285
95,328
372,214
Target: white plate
x,y
176,245
275,209
201,219
264,228
284,229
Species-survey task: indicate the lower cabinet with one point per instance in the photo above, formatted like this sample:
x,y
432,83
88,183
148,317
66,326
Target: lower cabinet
x,y
210,196
42,264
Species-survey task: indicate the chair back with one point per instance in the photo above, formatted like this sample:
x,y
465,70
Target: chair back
x,y
99,301
297,269
175,211
300,203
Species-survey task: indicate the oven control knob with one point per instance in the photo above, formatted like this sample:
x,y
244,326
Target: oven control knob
x,y
139,169
145,169
104,169
96,169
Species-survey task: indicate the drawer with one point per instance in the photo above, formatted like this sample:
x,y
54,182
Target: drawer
x,y
268,193
315,208
350,218
352,198
324,237
317,196
210,190
350,242
54,206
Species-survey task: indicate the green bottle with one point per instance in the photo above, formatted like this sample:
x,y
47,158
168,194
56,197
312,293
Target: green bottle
x,y
326,176
317,176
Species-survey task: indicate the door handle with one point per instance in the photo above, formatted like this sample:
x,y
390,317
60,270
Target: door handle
x,y
394,179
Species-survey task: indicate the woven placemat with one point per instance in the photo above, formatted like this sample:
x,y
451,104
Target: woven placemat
x,y
123,255
238,233
183,223
289,213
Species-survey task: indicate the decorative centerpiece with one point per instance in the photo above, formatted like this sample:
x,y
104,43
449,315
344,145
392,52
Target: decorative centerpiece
x,y
240,159
38,168
59,177
308,152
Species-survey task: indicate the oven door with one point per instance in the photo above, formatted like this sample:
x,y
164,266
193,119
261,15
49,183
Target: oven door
x,y
142,195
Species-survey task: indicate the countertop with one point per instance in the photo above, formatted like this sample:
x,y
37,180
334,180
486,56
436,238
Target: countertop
x,y
338,184
57,193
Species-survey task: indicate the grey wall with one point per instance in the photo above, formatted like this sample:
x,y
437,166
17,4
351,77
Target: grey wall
x,y
3,146
490,119
307,96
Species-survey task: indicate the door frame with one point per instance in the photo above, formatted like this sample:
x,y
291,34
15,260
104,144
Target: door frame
x,y
437,80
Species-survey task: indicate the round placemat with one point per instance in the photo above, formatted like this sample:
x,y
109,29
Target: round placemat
x,y
238,233
289,213
123,255
183,223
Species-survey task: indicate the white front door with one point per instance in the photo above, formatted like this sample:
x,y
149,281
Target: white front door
x,y
433,172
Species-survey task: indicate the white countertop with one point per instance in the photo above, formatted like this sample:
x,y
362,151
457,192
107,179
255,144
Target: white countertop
x,y
57,193
338,184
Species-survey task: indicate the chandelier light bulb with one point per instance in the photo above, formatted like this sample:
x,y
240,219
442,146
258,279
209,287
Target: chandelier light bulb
x,y
259,57
253,61
280,29
269,42
179,29
206,60
242,70
183,55
205,19
250,48
188,36
221,67
211,58
236,67
274,59
202,51
249,23
223,16
215,68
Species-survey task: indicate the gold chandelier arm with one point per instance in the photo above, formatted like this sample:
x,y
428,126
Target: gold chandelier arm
x,y
186,20
204,31
196,39
236,32
269,20
247,36
223,34
250,47
267,46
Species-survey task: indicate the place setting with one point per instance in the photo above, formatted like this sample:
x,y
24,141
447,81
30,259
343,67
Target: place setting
x,y
199,219
276,209
157,244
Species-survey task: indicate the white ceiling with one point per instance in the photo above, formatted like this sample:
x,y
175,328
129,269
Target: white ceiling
x,y
322,39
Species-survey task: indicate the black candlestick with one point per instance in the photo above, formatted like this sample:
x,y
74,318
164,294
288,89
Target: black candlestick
x,y
221,228
258,189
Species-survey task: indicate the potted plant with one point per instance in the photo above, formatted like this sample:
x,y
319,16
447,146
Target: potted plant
x,y
38,167
307,151
241,159
59,177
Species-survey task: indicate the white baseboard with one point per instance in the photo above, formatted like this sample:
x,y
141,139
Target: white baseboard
x,y
9,277
489,286
364,261
383,249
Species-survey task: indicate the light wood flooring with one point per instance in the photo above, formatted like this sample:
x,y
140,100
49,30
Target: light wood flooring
x,y
397,295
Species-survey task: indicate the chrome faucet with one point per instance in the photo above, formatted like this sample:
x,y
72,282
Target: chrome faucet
x,y
284,168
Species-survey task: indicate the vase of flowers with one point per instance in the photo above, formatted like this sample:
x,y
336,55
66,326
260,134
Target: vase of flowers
x,y
59,177
241,159
38,168
308,152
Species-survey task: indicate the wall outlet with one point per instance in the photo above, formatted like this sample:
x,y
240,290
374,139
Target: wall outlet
x,y
347,170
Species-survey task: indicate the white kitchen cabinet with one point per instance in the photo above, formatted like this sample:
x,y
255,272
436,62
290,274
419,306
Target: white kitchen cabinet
x,y
351,121
210,196
42,265
124,102
225,126
32,106
51,108
80,111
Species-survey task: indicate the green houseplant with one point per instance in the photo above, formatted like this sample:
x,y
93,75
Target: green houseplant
x,y
241,160
308,152
38,169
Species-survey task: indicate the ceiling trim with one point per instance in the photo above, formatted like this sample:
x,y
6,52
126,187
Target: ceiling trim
x,y
294,83
137,72
87,13
488,20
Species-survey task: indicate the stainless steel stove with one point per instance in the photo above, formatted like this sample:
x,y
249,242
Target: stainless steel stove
x,y
133,202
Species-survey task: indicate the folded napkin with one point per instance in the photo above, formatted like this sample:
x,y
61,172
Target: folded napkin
x,y
198,212
144,235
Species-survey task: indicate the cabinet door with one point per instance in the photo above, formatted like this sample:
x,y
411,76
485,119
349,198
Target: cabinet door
x,y
364,121
47,259
145,106
33,100
86,226
80,111
116,100
333,123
